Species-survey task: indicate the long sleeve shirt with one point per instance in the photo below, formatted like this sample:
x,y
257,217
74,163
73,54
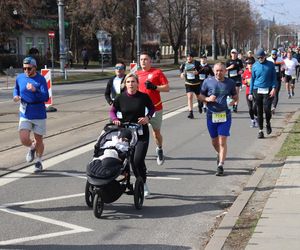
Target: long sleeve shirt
x,y
263,76
32,104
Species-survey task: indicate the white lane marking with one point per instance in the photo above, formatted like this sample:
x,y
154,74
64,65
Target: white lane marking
x,y
37,237
41,200
74,228
80,176
65,156
46,164
163,178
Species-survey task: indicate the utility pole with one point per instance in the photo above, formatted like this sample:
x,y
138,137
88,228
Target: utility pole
x,y
213,35
62,45
187,29
138,32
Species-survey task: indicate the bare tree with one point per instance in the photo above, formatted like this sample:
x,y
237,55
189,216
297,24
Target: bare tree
x,y
172,14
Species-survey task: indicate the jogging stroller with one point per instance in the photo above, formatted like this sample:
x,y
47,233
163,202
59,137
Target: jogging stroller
x,y
108,174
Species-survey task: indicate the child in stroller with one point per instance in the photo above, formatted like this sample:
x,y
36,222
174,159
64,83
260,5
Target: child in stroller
x,y
108,174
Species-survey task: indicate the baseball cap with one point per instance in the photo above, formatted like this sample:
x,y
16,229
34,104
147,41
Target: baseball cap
x,y
203,56
29,60
233,51
250,52
260,52
274,52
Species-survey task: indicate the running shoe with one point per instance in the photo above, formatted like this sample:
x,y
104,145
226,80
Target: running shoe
x,y
146,191
261,135
220,171
200,110
293,93
38,167
273,110
235,108
253,124
160,156
289,96
269,128
191,115
30,155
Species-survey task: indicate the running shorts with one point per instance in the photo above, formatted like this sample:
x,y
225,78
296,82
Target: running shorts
x,y
38,126
156,120
221,128
192,88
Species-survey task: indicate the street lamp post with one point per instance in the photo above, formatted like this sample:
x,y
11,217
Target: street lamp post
x,y
62,46
186,29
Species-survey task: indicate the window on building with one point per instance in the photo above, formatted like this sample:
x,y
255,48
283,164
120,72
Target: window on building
x,y
41,45
28,44
12,46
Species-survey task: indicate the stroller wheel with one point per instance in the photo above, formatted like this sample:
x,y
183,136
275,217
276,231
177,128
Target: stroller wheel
x,y
98,205
139,193
89,197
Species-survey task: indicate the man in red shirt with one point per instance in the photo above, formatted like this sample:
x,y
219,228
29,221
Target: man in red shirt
x,y
152,81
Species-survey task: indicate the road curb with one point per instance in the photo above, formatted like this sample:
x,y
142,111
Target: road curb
x,y
229,220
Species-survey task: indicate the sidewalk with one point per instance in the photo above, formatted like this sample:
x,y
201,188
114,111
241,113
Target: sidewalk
x,y
279,224
278,227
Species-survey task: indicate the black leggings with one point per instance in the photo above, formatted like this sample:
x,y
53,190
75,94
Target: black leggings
x,y
251,107
263,103
138,159
276,97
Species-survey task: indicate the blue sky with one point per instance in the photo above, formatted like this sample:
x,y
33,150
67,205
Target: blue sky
x,y
284,11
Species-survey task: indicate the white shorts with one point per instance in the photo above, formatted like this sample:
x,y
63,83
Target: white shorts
x,y
38,126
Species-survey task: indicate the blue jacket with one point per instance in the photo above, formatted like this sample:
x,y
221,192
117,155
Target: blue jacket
x,y
32,104
263,76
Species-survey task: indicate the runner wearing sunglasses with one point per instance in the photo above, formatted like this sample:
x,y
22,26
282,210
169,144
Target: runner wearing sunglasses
x,y
32,93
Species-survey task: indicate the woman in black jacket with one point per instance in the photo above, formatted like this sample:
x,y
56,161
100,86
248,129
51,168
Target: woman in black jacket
x,y
132,104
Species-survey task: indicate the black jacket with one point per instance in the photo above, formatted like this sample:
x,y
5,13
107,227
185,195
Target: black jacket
x,y
110,93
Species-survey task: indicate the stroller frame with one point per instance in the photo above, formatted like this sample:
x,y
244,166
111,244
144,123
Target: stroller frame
x,y
101,191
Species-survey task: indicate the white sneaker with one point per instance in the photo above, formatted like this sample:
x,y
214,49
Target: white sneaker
x,y
30,155
146,191
38,167
160,156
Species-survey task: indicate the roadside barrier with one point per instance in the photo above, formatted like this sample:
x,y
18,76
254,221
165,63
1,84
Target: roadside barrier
x,y
47,74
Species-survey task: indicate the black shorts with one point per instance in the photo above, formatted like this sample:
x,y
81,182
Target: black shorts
x,y
193,88
237,80
289,79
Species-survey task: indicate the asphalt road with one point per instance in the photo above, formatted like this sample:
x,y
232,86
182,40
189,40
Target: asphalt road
x,y
48,211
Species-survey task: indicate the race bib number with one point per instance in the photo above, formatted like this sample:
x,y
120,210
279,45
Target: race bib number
x,y
219,117
190,76
293,77
262,90
202,76
23,107
233,73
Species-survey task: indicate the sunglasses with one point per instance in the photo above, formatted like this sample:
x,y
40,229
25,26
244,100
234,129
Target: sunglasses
x,y
119,67
260,57
27,68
